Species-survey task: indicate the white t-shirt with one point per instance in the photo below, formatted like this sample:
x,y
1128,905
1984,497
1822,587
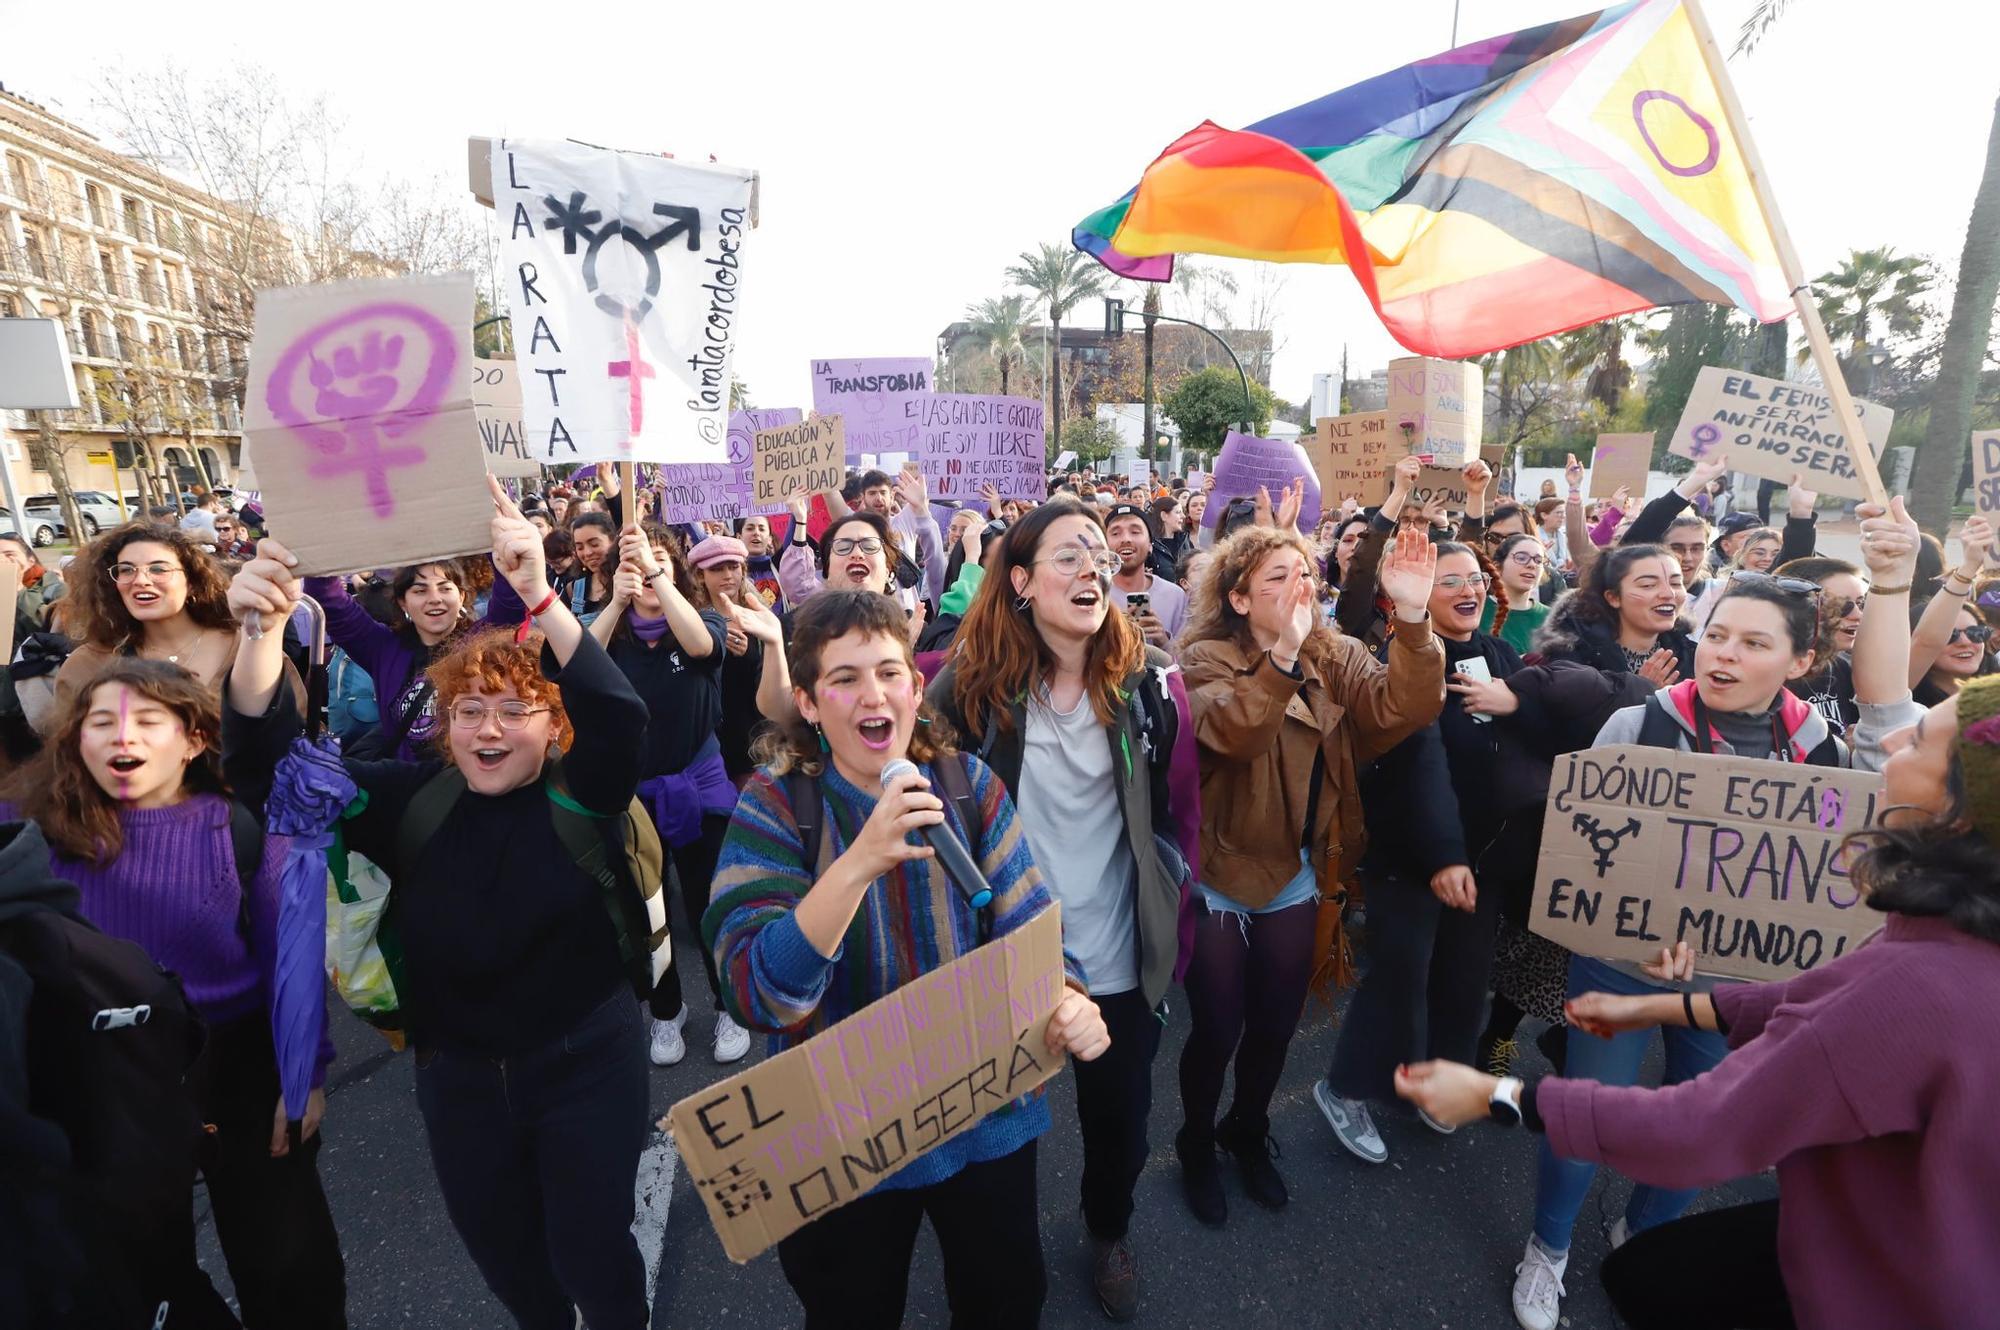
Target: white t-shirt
x,y
1068,802
1169,603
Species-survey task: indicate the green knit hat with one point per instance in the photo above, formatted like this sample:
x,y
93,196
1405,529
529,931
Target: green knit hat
x,y
1979,753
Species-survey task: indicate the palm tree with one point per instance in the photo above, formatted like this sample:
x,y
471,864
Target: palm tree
x,y
1059,276
1150,309
1598,350
997,325
1526,376
1963,356
1872,290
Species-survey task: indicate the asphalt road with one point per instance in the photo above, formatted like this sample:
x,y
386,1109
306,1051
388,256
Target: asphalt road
x,y
1428,1240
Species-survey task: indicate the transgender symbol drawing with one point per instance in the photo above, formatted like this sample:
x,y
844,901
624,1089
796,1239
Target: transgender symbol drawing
x,y
352,386
576,220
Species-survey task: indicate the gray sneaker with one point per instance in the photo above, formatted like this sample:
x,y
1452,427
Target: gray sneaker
x,y
1351,1124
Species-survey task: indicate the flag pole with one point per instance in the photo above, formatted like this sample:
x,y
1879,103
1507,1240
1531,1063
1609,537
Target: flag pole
x,y
629,483
1788,262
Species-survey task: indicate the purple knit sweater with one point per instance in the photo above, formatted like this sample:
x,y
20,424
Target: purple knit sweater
x,y
1871,1084
173,890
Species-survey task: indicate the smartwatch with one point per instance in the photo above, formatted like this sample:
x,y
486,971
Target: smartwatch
x,y
1504,1107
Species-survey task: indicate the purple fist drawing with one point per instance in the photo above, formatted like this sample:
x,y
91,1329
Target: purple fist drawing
x,y
351,386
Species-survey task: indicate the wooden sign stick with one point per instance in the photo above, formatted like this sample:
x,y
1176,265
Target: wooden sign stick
x,y
1788,262
628,485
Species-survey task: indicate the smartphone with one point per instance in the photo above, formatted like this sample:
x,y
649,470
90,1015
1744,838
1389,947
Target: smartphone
x,y
1138,603
1474,667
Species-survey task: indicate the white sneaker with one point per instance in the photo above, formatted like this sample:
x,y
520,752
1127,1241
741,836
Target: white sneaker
x,y
732,1041
1351,1123
1434,1124
1620,1231
1538,1288
668,1046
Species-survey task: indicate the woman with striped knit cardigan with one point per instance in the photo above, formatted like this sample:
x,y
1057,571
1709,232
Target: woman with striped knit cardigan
x,y
802,946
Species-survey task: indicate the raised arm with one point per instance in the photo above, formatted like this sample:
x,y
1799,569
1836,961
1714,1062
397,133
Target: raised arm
x,y
1934,628
1386,703
916,519
1650,526
1801,534
798,572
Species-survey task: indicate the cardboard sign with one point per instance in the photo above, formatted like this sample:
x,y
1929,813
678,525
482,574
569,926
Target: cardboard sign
x,y
1742,859
1065,459
624,271
1770,428
1986,472
1446,484
1620,459
965,441
1246,462
1352,454
794,461
869,395
775,1147
1436,407
496,405
359,413
10,590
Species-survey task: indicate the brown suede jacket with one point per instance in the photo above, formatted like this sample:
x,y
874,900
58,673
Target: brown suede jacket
x,y
1258,730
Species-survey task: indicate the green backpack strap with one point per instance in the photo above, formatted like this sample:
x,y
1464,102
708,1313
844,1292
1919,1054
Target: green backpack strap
x,y
425,814
608,848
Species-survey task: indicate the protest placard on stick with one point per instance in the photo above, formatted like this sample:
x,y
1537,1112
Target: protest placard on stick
x,y
496,405
1247,461
1744,860
772,1148
1620,460
1436,407
1986,472
1773,429
869,394
965,441
793,461
359,411
1352,456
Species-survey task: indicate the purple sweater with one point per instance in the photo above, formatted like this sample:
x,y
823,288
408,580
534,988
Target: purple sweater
x,y
1871,1084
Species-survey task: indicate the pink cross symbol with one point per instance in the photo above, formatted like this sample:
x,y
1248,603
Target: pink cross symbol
x,y
635,369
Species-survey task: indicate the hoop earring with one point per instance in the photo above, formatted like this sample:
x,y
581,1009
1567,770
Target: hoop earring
x,y
1020,604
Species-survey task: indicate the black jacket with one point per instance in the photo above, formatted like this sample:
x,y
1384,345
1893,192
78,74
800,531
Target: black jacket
x,y
1565,635
1141,760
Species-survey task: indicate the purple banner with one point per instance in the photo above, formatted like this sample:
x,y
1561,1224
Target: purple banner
x,y
870,394
965,441
700,492
1246,462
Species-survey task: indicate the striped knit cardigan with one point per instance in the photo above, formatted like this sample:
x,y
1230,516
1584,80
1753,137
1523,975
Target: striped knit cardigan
x,y
911,922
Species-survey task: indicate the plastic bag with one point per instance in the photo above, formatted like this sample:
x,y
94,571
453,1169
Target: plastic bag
x,y
362,972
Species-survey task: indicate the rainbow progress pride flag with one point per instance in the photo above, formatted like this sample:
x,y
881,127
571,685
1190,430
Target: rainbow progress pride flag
x,y
1516,187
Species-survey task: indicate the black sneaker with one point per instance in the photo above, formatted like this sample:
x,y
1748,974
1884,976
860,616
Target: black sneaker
x,y
1254,1149
1201,1178
1114,1274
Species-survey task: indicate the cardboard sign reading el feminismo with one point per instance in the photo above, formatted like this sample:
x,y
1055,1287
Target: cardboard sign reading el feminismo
x,y
1743,860
359,414
775,1147
624,274
1773,429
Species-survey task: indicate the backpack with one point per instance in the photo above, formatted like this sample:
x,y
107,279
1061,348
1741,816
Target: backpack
x,y
802,789
1658,729
109,1040
621,853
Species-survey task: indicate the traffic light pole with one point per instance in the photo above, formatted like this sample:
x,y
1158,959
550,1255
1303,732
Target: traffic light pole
x,y
1114,322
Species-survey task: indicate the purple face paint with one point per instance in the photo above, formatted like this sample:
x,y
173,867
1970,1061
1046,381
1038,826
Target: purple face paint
x,y
364,393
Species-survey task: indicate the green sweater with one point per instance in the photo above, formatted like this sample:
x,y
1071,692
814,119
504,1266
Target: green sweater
x,y
1520,626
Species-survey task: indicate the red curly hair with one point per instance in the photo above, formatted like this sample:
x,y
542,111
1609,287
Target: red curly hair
x,y
494,661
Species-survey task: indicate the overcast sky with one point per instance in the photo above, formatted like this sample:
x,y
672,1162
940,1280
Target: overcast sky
x,y
910,150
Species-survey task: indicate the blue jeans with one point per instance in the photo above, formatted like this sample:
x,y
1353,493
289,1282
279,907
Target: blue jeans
x,y
1561,1184
537,1157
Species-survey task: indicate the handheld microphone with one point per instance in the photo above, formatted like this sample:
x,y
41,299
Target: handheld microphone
x,y
958,863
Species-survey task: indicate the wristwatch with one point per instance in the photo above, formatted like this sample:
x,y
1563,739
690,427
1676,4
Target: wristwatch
x,y
1504,1107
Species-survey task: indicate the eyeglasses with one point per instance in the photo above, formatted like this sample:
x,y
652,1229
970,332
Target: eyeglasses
x,y
1074,562
124,574
511,715
1976,633
864,544
1472,582
1528,558
1791,586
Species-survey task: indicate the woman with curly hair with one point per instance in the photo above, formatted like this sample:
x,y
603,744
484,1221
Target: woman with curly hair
x,y
1285,713
530,1053
147,590
806,937
130,796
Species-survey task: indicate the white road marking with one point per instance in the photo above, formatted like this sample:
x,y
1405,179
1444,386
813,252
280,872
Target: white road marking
x,y
653,1194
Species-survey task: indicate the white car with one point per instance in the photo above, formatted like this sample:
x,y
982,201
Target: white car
x,y
42,527
98,509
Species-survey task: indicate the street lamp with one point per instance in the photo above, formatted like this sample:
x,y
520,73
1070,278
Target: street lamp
x,y
1114,326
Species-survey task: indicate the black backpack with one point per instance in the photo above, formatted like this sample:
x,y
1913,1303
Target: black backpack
x,y
109,1040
